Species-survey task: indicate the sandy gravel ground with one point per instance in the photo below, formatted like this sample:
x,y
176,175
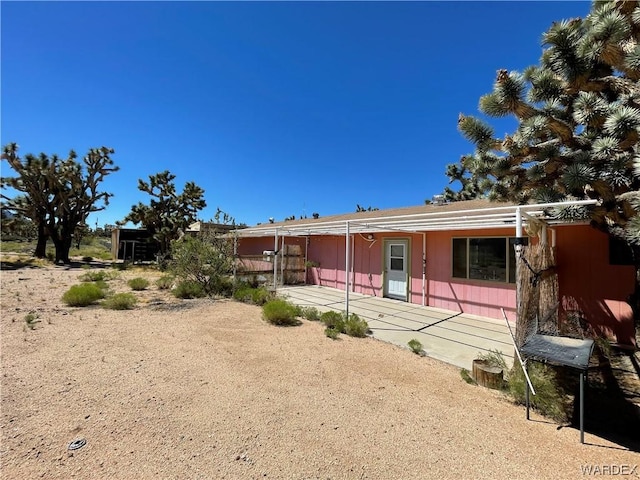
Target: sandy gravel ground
x,y
208,390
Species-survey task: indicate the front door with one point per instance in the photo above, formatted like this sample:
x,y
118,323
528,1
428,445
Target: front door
x,y
396,272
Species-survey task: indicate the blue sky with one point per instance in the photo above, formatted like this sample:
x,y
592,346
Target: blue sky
x,y
273,108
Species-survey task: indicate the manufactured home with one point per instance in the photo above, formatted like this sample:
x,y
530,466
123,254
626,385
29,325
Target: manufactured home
x,y
457,256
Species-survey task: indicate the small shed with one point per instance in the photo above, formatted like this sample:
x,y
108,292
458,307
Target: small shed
x,y
133,244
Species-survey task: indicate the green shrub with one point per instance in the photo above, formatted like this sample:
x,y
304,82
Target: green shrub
x,y
466,376
138,283
331,333
101,284
188,289
83,295
260,296
493,358
550,399
311,313
333,320
222,286
415,346
280,312
120,301
31,319
94,276
165,282
242,293
354,326
257,296
206,260
121,266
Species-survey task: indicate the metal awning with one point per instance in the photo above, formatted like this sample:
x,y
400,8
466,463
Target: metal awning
x,y
432,219
419,220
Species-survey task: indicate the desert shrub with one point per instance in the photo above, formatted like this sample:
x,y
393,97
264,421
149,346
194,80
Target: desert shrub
x,y
188,289
121,266
310,313
242,293
332,333
83,295
260,296
138,283
165,282
206,260
101,284
493,358
120,301
31,319
256,296
280,312
354,326
550,399
415,346
222,286
94,276
466,376
333,320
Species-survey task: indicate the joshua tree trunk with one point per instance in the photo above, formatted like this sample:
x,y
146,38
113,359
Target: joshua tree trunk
x,y
41,246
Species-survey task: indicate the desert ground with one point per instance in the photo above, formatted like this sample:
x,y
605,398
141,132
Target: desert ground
x,y
204,389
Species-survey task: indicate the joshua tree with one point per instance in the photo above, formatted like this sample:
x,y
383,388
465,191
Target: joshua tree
x,y
57,195
168,213
578,115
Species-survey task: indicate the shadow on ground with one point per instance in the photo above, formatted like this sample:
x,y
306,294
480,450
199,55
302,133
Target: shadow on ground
x,y
612,399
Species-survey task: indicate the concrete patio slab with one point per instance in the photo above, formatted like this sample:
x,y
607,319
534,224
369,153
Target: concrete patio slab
x,y
452,337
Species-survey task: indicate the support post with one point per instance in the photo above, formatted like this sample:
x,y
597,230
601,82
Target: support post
x,y
424,269
235,257
518,251
346,269
282,261
582,406
526,391
275,262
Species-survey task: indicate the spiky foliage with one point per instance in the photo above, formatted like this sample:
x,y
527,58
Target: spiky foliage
x,y
57,194
168,213
578,132
579,120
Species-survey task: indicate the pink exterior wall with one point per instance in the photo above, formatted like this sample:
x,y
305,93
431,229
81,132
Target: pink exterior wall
x,y
477,297
587,282
441,291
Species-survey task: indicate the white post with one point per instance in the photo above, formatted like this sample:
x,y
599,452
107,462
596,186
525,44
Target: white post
x,y
306,257
518,250
275,262
424,269
346,269
235,256
353,255
282,261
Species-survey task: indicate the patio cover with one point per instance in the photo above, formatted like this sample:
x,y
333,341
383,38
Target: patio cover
x,y
464,215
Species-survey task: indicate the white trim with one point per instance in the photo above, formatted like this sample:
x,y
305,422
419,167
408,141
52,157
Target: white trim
x,y
471,219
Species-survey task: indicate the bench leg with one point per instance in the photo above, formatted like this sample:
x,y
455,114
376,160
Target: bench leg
x,y
526,386
582,407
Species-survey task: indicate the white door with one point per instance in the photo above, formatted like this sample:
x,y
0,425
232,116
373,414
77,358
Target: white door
x,y
396,269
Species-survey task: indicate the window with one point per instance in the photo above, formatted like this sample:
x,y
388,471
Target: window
x,y
484,258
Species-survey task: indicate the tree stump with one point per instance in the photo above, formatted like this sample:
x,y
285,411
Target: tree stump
x,y
487,375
